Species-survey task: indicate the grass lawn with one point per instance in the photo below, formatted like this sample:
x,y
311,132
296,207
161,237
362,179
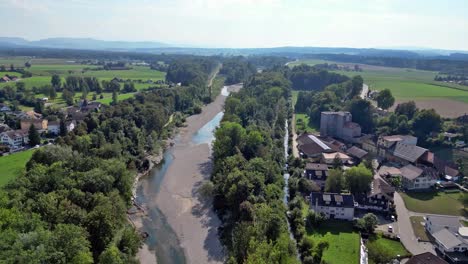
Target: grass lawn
x,y
418,228
12,165
394,247
108,99
302,124
294,98
433,203
344,241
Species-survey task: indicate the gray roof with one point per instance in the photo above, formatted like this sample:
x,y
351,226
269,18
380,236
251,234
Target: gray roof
x,y
443,222
316,167
407,152
333,199
447,238
426,258
411,172
356,152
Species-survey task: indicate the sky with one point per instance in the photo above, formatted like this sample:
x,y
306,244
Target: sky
x,y
441,24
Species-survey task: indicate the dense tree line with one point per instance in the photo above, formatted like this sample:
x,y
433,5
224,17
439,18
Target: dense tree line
x,y
305,77
237,69
247,172
190,71
70,204
445,65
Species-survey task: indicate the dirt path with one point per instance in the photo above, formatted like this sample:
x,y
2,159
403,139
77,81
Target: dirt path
x,y
194,221
295,151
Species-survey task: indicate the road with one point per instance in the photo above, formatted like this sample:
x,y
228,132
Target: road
x,y
295,151
364,91
406,233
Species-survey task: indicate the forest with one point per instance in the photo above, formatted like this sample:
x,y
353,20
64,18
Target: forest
x,y
70,204
247,176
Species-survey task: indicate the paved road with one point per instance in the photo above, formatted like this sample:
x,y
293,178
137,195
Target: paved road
x,y
406,233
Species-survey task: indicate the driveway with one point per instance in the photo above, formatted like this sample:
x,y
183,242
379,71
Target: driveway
x,y
405,229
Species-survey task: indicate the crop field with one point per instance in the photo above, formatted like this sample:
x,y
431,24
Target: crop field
x,y
449,100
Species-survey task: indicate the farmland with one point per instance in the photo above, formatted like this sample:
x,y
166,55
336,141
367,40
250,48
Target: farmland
x,y
43,69
409,84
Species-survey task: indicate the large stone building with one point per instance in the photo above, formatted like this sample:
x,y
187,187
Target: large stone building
x,y
339,125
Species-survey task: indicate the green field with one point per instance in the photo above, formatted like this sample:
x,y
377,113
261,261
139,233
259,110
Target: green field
x,y
344,241
406,84
303,125
394,248
12,165
434,203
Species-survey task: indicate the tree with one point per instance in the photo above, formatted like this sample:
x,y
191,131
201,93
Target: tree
x,y
68,97
27,64
63,128
335,181
114,97
368,223
39,107
407,109
307,186
425,122
385,99
111,255
56,81
379,253
361,111
129,87
337,164
33,136
358,179
314,219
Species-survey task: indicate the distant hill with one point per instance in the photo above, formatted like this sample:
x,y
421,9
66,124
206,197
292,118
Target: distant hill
x,y
81,43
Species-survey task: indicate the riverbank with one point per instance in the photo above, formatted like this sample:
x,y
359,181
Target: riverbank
x,y
192,220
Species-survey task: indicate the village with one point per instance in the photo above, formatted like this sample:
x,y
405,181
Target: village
x,y
402,172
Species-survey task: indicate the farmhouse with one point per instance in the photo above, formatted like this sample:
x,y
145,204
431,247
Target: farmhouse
x,y
14,138
379,198
333,205
414,178
339,125
316,171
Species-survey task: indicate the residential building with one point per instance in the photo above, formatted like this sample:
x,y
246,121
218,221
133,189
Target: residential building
x,y
453,245
4,79
417,178
53,127
14,138
435,223
386,144
368,144
316,171
70,125
333,205
379,198
339,125
426,258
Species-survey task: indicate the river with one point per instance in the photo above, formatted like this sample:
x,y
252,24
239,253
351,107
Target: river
x,y
165,239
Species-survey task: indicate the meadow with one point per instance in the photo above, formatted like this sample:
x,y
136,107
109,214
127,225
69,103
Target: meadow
x,y
409,84
12,165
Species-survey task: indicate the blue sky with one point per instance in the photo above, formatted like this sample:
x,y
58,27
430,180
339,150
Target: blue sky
x,y
245,23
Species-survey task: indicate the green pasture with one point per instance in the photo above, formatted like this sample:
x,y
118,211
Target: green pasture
x,y
12,165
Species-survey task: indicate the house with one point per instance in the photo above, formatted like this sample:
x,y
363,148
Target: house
x,y
453,245
333,205
389,172
417,178
368,144
426,258
379,198
39,124
53,127
435,223
339,125
90,107
357,153
329,157
4,79
14,138
310,146
316,171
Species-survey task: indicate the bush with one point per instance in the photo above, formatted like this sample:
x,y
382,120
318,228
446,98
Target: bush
x,y
314,219
206,190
